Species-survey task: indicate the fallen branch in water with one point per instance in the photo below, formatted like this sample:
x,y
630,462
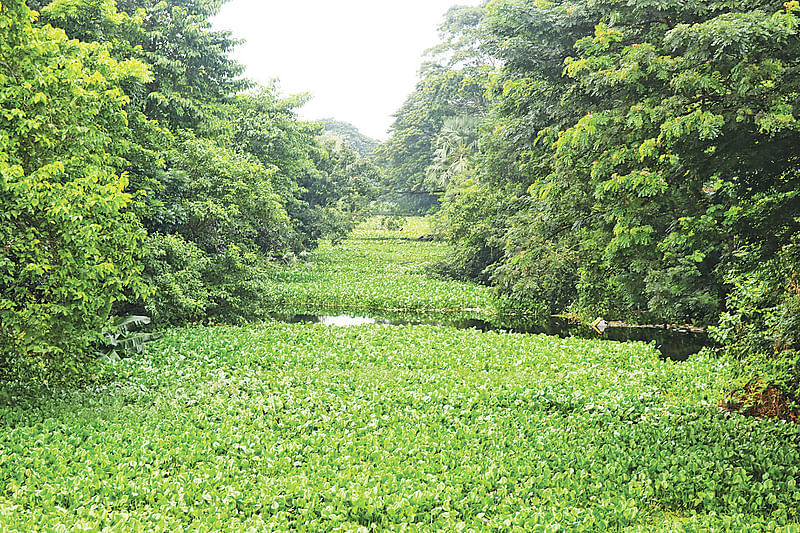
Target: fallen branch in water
x,y
600,325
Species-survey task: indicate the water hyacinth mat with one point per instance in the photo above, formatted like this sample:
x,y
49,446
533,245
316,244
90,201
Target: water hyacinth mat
x,y
280,427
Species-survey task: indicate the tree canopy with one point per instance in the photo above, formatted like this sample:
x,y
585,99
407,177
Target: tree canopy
x,y
70,244
363,145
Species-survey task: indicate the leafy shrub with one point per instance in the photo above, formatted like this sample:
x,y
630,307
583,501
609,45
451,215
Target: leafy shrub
x,y
68,246
190,285
237,286
761,328
392,223
536,278
174,268
216,197
471,227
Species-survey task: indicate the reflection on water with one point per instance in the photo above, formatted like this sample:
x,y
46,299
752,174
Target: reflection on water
x,y
345,320
674,345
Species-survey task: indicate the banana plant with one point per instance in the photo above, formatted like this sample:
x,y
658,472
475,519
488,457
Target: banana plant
x,y
119,342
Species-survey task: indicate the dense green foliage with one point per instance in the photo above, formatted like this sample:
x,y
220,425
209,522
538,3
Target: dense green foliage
x,y
69,245
761,327
416,428
633,159
452,84
363,145
637,161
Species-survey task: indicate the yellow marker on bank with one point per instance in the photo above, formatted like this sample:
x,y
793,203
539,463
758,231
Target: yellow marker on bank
x,y
599,325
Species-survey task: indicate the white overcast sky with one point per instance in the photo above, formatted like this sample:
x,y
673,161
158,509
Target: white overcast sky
x,y
358,58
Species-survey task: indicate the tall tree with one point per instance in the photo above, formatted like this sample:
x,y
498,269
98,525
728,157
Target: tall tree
x,y
229,176
663,179
455,145
70,247
636,132
452,83
192,65
363,145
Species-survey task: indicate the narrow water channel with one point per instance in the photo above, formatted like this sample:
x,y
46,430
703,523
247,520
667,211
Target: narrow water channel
x,y
673,345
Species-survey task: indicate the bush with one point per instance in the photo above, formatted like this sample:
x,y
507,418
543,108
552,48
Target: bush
x,y
174,269
761,328
68,247
216,197
468,215
392,223
190,285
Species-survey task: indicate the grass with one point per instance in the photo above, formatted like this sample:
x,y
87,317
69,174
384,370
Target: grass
x,y
380,271
301,427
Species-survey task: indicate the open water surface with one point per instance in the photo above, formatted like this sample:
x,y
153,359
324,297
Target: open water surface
x,y
673,344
